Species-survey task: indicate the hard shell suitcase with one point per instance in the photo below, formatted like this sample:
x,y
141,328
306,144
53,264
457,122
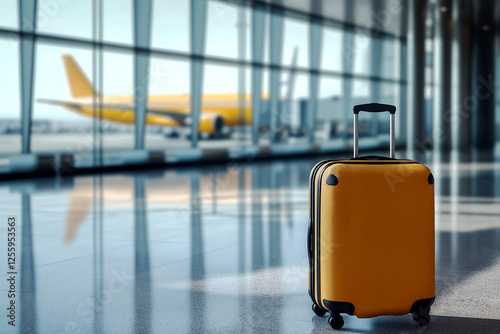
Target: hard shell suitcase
x,y
371,234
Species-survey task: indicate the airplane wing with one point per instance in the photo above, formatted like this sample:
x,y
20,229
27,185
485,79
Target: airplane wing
x,y
179,117
68,104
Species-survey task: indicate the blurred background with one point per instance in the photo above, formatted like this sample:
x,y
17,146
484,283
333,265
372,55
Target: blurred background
x,y
249,77
155,155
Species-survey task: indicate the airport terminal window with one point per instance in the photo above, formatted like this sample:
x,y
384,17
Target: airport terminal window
x,y
56,128
169,90
390,59
295,39
245,114
220,96
361,54
117,21
9,17
69,18
330,87
220,79
223,24
331,108
59,124
117,91
388,95
10,125
361,90
170,25
331,50
293,115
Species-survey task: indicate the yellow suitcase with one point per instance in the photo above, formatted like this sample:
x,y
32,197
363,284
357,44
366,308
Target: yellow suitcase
x,y
371,235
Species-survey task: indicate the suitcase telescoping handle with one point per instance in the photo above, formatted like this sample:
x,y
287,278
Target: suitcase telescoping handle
x,y
374,107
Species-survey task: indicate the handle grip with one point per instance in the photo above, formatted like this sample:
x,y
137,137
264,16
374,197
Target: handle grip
x,y
374,107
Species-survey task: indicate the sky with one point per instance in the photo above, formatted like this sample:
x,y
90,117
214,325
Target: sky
x,y
170,31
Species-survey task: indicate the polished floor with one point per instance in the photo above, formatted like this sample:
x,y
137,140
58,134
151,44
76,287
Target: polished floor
x,y
222,250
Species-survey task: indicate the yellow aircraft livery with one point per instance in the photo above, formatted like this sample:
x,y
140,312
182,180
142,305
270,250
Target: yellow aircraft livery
x,y
218,110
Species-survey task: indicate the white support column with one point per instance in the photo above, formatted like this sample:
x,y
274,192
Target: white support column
x,y
315,37
27,23
242,72
258,28
416,70
198,25
142,37
347,67
461,75
442,75
403,70
276,48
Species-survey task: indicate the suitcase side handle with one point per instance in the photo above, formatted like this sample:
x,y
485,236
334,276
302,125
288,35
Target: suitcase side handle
x,y
375,107
309,244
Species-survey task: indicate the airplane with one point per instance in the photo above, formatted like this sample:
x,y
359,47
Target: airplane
x,y
219,112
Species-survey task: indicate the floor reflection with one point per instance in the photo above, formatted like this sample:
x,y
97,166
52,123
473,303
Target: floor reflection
x,y
27,286
142,283
222,249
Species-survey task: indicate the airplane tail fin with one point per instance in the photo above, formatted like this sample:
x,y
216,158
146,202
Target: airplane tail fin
x,y
291,82
293,74
79,84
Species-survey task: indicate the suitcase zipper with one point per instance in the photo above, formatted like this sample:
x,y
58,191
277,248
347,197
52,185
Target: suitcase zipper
x,y
310,236
318,228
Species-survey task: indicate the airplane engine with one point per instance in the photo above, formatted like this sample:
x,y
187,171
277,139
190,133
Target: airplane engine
x,y
212,124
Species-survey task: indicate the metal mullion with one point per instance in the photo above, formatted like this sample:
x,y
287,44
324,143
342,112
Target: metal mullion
x,y
27,16
212,59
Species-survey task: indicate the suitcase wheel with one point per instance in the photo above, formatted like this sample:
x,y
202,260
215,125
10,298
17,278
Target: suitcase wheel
x,y
318,310
422,316
336,321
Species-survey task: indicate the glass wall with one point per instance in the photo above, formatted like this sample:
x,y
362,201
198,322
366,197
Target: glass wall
x,y
170,25
259,78
65,18
117,90
331,115
331,50
227,27
56,125
295,40
169,82
9,17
